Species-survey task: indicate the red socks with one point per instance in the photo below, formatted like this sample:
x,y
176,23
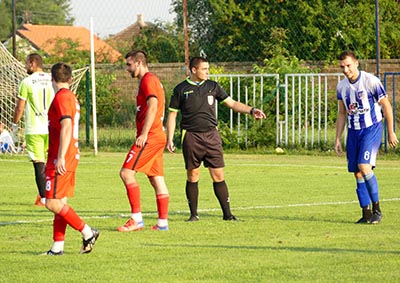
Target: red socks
x,y
162,206
133,192
71,218
59,228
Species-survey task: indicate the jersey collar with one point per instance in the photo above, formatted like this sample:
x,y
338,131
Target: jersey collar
x,y
194,83
358,78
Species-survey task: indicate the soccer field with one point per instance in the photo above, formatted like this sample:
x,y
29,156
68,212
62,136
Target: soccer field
x,y
296,224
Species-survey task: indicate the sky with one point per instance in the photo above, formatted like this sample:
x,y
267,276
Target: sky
x,y
112,16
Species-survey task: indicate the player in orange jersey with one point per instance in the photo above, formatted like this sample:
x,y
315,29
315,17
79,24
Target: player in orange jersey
x,y
146,154
62,161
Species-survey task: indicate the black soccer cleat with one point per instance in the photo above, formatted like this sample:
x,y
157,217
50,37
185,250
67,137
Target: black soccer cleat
x,y
363,220
193,218
50,252
376,217
87,245
366,216
230,218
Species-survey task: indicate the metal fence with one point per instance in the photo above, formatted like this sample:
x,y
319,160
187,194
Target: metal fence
x,y
252,89
305,114
390,82
306,104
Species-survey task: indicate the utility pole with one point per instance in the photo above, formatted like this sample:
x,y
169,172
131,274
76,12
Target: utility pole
x,y
186,34
378,38
14,26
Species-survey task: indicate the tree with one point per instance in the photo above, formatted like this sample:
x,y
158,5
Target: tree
x,y
56,12
242,30
201,28
110,104
162,43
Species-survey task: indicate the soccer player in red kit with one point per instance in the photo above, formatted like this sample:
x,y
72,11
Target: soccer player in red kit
x,y
62,161
146,154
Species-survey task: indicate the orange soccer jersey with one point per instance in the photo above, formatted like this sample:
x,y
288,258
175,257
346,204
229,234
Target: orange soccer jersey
x,y
64,106
150,86
149,159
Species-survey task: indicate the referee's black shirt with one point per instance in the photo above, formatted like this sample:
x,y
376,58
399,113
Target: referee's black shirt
x,y
196,101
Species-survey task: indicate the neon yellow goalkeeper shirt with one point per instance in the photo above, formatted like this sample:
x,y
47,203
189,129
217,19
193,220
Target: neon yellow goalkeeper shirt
x,y
38,93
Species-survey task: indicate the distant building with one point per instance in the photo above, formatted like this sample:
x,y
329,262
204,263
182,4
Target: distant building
x,y
132,30
44,38
124,40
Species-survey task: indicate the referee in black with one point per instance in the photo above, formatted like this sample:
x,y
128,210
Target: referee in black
x,y
195,97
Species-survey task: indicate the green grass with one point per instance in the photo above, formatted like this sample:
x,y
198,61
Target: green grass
x,y
296,213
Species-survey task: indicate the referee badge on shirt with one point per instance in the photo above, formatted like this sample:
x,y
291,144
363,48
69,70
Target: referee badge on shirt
x,y
210,99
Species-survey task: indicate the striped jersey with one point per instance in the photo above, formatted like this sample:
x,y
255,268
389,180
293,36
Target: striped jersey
x,y
38,93
361,100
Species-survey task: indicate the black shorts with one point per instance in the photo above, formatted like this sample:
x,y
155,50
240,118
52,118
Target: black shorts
x,y
206,147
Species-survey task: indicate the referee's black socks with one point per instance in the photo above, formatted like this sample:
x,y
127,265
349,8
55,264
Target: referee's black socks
x,y
192,196
222,194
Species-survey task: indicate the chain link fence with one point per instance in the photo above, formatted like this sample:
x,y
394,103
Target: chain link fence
x,y
228,31
235,36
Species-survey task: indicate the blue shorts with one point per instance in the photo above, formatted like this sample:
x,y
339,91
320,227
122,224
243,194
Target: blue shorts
x,y
362,146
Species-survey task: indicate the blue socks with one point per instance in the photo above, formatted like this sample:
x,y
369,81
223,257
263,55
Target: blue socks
x,y
372,186
362,193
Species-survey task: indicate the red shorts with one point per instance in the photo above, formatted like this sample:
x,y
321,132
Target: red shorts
x,y
59,186
147,159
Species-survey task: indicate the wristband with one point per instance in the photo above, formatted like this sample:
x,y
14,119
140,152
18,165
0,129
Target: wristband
x,y
252,110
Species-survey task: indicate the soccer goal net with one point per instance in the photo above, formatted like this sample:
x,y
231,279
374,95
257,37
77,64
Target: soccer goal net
x,y
11,74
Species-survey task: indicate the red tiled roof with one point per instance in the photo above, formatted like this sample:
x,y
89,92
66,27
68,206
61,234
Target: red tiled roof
x,y
42,37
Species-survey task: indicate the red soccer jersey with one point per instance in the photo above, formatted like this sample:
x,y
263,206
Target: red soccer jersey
x,y
150,86
64,106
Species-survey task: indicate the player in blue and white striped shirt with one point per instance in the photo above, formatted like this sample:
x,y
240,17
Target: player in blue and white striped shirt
x,y
361,99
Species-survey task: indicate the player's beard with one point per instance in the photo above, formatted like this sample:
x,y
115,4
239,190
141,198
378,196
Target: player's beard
x,y
135,74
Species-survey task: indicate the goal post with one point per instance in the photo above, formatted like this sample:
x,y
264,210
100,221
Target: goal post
x,y
12,72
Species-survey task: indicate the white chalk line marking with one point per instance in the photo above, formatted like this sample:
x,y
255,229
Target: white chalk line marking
x,y
203,210
235,164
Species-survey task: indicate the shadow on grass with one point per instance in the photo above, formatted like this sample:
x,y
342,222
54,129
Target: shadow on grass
x,y
277,248
303,219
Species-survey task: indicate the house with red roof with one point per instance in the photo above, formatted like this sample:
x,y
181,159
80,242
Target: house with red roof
x,y
44,37
124,40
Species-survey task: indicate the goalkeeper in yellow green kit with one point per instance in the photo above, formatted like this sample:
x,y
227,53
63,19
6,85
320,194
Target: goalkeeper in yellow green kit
x,y
35,96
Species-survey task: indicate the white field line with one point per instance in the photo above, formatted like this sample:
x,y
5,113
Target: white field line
x,y
235,164
203,210
168,168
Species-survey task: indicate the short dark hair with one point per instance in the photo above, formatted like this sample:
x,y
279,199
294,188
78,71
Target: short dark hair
x,y
137,55
35,57
196,61
347,53
61,73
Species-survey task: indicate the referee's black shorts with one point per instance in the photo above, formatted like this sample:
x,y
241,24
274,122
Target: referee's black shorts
x,y
205,146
